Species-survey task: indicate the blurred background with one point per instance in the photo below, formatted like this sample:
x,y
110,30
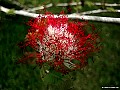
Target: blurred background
x,y
103,70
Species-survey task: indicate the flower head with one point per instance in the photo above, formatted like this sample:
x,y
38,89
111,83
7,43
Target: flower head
x,y
65,45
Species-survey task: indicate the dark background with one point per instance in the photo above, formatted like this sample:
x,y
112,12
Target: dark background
x,y
104,71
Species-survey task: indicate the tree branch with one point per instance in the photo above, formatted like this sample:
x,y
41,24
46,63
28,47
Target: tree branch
x,y
95,3
72,16
40,7
19,12
98,11
94,18
67,4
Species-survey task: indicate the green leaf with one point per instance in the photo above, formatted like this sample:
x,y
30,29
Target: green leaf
x,y
75,61
44,70
22,1
89,3
11,12
53,78
111,9
77,8
90,60
76,1
55,1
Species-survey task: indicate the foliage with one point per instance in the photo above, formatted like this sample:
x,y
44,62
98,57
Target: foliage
x,y
11,12
111,9
89,3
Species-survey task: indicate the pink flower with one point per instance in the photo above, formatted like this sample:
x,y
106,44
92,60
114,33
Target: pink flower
x,y
61,43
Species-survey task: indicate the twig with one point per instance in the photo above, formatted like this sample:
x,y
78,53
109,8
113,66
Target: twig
x,y
71,4
18,4
98,11
40,7
72,16
94,3
107,4
19,12
94,18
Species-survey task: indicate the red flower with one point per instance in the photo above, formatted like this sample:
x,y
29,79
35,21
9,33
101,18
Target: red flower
x,y
61,43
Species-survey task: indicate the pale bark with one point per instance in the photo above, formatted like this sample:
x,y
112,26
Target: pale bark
x,y
71,16
71,4
98,11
